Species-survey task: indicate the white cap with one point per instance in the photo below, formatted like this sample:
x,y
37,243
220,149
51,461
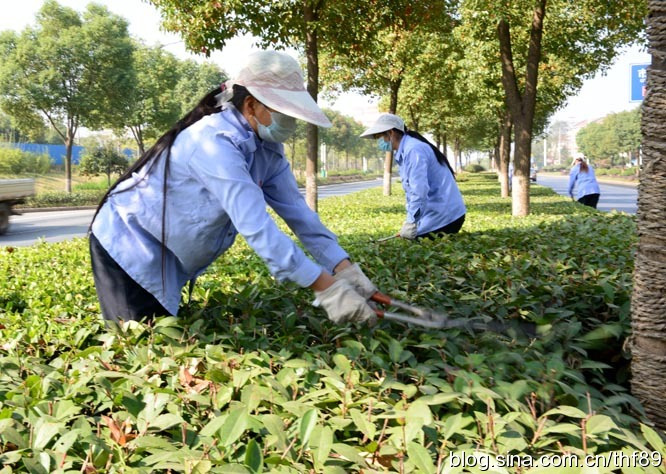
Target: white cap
x,y
384,122
276,80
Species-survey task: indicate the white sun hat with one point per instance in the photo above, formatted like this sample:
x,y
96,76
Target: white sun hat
x,y
383,123
275,79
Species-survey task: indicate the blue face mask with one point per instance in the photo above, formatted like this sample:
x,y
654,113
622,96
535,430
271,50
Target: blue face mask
x,y
281,128
383,145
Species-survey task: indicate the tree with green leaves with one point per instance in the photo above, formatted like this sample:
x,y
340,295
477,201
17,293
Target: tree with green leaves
x,y
304,24
195,80
380,68
72,69
615,139
151,105
104,160
558,43
343,136
648,320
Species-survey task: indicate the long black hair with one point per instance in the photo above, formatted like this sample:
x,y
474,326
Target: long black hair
x,y
206,106
441,157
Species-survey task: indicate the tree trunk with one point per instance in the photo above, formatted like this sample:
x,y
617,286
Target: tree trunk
x,y
69,143
388,158
648,303
312,135
137,133
505,154
522,106
457,154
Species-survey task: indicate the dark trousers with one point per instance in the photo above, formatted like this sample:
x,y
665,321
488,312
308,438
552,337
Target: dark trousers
x,y
120,297
452,228
590,200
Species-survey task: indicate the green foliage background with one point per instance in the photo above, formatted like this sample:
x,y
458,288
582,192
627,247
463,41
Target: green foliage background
x,y
252,378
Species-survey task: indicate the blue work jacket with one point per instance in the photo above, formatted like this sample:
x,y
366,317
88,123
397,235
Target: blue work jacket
x,y
584,182
433,199
221,179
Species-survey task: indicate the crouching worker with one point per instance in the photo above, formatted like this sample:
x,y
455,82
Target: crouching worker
x,y
434,203
208,179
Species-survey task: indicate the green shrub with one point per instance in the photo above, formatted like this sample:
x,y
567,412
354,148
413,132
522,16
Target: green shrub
x,y
252,378
474,168
15,161
98,185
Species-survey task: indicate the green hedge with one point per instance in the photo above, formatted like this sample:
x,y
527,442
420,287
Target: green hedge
x,y
252,378
83,197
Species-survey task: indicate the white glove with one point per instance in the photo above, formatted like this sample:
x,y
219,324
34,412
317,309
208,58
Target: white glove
x,y
343,304
357,279
408,230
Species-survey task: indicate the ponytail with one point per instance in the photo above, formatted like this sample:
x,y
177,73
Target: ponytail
x,y
441,157
205,107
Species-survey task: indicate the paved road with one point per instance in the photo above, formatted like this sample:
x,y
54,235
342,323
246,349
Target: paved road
x,y
619,197
56,226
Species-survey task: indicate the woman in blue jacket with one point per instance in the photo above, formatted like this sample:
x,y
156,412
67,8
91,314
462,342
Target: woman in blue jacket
x,y
434,203
208,179
582,178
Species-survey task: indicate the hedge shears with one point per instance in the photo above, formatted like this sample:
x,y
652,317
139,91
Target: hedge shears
x,y
430,319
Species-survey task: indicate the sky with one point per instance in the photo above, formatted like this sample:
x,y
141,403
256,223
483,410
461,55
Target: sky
x,y
599,96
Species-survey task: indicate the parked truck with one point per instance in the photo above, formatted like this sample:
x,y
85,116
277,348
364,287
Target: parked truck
x,y
12,192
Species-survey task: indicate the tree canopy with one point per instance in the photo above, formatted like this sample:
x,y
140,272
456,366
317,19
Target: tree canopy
x,y
71,68
614,140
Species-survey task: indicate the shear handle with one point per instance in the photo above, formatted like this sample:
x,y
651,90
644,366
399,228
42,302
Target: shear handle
x,y
386,300
381,298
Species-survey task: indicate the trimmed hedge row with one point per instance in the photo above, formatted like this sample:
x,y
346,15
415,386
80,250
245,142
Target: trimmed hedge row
x,y
252,378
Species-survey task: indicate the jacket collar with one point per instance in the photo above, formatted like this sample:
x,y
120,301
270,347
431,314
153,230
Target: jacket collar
x,y
401,149
242,135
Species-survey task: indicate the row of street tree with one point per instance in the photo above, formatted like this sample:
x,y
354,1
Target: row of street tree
x,y
84,70
474,73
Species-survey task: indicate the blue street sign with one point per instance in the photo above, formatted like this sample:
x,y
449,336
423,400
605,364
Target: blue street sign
x,y
638,81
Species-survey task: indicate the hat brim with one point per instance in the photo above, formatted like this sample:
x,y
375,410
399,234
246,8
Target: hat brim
x,y
297,104
376,128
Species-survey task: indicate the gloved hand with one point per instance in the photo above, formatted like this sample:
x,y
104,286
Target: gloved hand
x,y
357,279
343,304
408,230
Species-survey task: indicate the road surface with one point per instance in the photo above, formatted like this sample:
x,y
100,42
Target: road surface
x,y
55,226
618,197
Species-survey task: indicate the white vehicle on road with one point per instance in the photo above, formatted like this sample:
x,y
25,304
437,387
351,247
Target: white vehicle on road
x,y
12,192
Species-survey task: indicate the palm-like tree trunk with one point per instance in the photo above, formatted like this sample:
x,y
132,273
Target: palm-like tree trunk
x,y
648,363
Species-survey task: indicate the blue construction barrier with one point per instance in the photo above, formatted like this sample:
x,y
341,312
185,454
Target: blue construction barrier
x,y
56,152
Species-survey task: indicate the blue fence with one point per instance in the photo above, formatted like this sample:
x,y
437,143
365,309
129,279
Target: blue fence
x,y
58,152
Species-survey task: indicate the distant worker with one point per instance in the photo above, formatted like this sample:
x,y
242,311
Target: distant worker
x,y
583,179
434,203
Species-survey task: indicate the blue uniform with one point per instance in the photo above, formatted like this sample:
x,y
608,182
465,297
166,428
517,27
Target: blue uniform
x,y
584,182
433,197
221,177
